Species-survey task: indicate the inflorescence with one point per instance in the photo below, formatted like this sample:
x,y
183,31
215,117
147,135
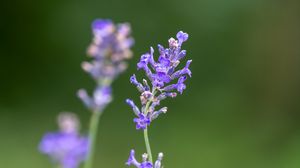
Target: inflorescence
x,y
109,50
165,82
66,148
161,75
145,163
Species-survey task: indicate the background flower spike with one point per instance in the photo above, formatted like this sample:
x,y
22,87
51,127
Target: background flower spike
x,y
66,148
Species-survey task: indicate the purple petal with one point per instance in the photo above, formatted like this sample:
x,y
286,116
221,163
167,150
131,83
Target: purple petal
x,y
182,37
101,24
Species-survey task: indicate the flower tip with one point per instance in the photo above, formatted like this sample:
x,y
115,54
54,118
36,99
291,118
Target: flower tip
x,y
181,36
81,93
133,79
173,43
164,109
173,95
86,66
131,157
129,101
160,155
151,50
68,122
101,23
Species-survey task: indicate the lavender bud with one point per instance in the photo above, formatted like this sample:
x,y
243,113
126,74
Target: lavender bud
x,y
87,101
173,43
181,54
86,66
145,97
102,96
172,94
175,64
131,160
158,161
68,122
153,105
182,37
147,87
161,50
145,157
157,113
133,106
134,81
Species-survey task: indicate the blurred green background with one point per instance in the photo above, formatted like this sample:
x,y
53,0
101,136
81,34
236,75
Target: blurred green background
x,y
241,108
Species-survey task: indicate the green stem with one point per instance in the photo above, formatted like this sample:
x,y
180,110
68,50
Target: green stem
x,y
92,138
147,143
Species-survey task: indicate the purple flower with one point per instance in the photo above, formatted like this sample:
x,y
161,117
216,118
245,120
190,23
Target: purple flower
x,y
102,96
66,147
180,86
158,161
145,164
182,37
164,70
103,26
166,79
135,109
139,86
142,121
109,50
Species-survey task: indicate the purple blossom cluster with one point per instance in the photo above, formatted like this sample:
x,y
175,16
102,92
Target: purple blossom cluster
x,y
165,81
66,148
109,51
161,74
145,163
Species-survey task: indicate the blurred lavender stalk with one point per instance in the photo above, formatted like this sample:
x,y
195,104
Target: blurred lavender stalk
x,y
162,76
109,49
66,148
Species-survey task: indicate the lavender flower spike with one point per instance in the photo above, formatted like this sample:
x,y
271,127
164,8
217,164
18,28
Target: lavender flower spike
x,y
166,80
109,50
66,148
145,163
162,74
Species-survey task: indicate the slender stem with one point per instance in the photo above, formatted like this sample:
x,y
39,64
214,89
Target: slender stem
x,y
147,143
92,138
94,121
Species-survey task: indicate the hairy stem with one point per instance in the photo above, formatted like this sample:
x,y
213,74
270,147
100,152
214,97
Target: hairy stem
x,y
92,138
